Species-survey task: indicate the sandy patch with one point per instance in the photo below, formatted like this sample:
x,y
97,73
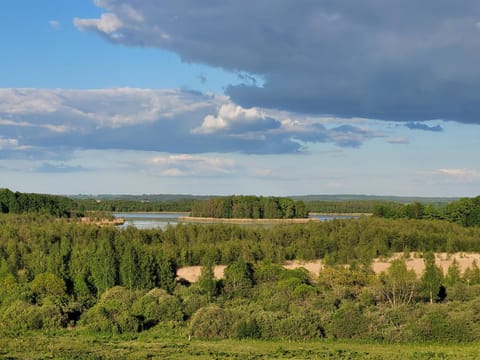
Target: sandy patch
x,y
313,267
442,260
415,262
192,273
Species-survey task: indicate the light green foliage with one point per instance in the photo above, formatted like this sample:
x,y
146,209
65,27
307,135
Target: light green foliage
x,y
454,275
48,286
21,316
472,274
398,286
432,278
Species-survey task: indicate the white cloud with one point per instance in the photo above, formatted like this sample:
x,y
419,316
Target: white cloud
x,y
168,120
101,107
55,24
51,127
107,23
228,116
458,175
11,144
190,165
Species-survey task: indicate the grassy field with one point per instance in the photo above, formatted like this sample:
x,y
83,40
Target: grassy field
x,y
79,345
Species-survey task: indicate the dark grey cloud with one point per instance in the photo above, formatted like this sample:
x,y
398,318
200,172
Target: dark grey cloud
x,y
424,127
398,60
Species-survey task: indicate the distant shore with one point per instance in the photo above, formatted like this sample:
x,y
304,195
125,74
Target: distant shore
x,y
338,214
245,220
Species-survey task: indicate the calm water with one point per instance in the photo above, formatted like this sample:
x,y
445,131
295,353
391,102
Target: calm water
x,y
162,220
149,220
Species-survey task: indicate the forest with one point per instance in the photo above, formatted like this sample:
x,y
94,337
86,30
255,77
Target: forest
x,y
465,211
250,207
57,273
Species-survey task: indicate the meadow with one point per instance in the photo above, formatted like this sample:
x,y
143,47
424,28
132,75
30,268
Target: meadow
x,y
156,345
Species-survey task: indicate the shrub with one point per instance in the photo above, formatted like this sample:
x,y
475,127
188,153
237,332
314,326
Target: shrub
x,y
212,322
157,305
349,322
113,312
21,316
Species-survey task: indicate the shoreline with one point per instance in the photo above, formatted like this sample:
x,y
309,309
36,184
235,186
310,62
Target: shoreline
x,y
244,220
338,214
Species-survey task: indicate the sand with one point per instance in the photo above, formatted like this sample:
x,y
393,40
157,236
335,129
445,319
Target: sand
x,y
415,262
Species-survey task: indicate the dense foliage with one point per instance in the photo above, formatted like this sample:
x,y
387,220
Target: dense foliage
x,y
251,207
347,206
113,205
465,211
18,203
56,273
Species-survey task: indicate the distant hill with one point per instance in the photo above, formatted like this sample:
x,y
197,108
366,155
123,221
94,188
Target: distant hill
x,y
306,198
398,199
143,197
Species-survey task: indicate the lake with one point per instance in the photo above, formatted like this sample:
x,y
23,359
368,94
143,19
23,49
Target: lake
x,y
162,220
149,220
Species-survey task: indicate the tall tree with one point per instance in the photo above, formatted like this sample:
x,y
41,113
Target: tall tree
x,y
432,277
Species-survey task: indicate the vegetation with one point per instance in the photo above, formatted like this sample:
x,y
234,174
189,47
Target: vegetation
x,y
347,206
103,282
56,273
18,203
117,205
251,207
465,212
159,344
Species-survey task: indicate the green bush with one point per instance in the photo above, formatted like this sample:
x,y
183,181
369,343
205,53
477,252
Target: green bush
x,y
156,306
212,322
349,322
113,312
21,316
440,324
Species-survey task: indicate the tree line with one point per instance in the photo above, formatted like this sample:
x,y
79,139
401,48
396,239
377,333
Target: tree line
x,y
465,211
58,272
18,203
251,207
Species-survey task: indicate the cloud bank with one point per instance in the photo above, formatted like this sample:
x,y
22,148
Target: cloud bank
x,y
399,60
48,124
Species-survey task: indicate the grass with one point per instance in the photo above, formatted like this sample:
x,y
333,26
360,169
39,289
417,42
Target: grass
x,y
80,345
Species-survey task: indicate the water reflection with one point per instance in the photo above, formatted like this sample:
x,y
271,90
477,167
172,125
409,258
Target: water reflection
x,y
149,220
162,220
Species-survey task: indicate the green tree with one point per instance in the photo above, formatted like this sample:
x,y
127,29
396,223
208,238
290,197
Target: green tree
x,y
453,274
398,285
238,278
432,278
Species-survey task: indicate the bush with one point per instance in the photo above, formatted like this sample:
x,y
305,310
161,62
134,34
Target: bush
x,y
155,306
349,322
193,298
439,324
247,329
113,312
212,322
21,316
48,285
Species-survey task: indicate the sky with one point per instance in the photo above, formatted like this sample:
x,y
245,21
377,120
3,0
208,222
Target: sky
x,y
240,97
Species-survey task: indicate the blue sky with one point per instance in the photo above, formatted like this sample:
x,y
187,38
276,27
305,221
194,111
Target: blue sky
x,y
216,97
